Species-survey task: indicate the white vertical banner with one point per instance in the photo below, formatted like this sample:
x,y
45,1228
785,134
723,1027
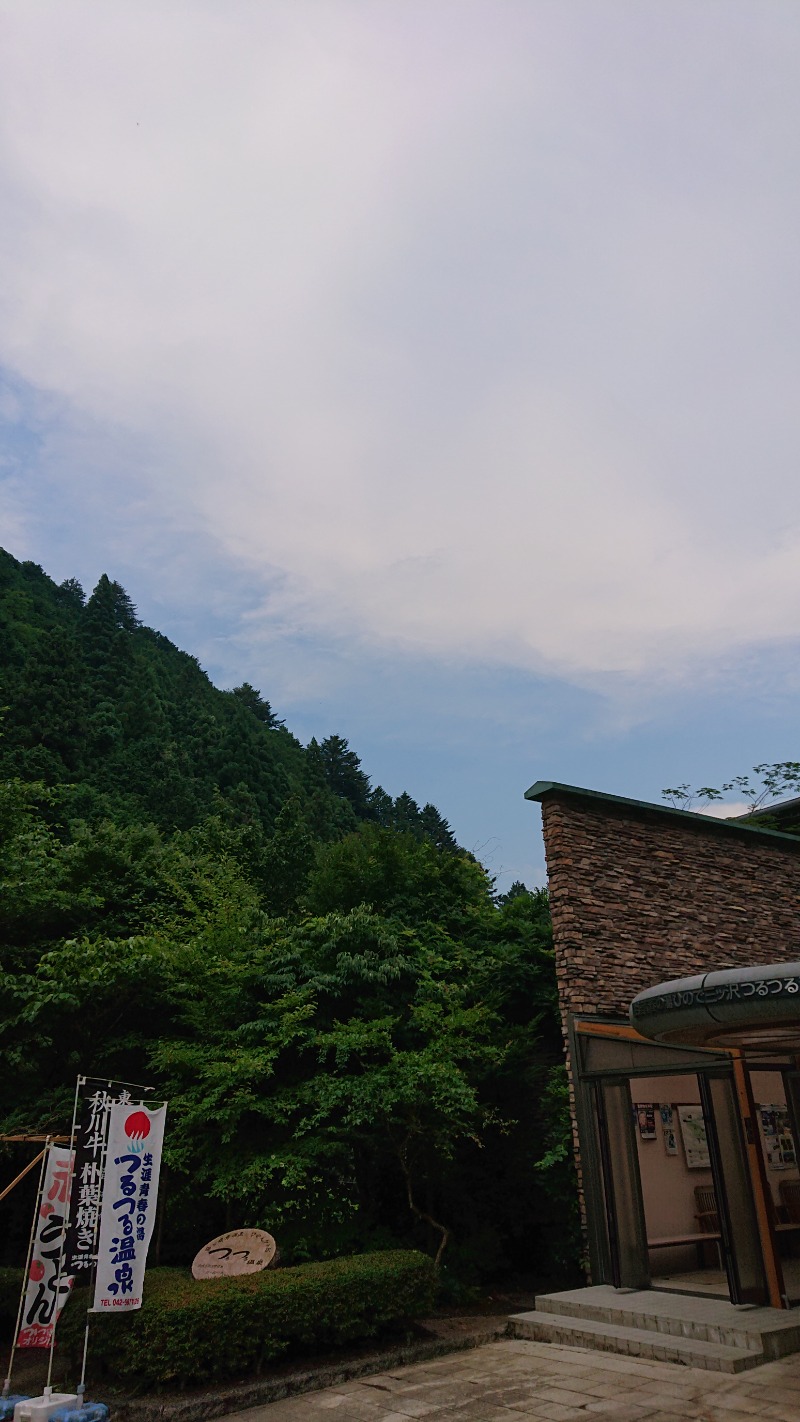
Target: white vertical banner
x,y
46,1294
128,1205
96,1098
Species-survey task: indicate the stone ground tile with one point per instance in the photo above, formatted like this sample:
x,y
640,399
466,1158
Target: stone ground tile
x,y
486,1414
690,1406
697,1414
785,1376
679,1393
325,1409
622,1411
523,1381
565,1395
596,1387
470,1407
356,1402
381,1416
780,1396
498,1393
531,1413
383,1412
548,1411
410,1407
353,1409
386,1382
345,1414
734,1407
779,1386
359,1401
442,1402
334,1399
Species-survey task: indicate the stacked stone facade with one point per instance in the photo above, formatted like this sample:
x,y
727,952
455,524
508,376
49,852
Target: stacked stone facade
x,y
639,896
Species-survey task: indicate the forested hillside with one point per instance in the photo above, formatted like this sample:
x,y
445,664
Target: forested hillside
x,y
359,1042
95,698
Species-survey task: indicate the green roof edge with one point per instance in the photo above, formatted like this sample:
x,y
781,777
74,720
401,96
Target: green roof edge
x,y
541,788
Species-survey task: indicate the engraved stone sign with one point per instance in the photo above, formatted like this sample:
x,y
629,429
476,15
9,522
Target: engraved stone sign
x,y
240,1251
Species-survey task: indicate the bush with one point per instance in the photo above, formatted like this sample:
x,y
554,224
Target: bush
x,y
188,1331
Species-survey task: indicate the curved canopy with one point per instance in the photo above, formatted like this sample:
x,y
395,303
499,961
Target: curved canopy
x,y
734,1007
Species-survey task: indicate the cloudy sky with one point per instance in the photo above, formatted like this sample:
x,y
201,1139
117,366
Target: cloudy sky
x,y
432,364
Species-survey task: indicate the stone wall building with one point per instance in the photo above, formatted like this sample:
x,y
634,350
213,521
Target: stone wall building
x,y
641,895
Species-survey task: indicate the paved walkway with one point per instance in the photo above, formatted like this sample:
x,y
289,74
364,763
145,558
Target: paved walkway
x,y
514,1380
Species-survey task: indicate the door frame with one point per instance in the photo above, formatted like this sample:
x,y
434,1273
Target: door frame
x,y
596,1178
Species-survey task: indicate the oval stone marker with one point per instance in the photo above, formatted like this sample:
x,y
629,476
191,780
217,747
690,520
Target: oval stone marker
x,y
240,1251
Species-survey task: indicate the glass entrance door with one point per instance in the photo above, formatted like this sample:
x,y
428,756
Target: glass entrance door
x,y
635,1239
740,1240
675,1190
622,1187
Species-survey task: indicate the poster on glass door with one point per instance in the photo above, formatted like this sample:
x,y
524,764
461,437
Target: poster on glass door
x,y
693,1134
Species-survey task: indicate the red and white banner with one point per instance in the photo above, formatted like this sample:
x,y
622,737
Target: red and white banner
x,y
128,1205
46,1294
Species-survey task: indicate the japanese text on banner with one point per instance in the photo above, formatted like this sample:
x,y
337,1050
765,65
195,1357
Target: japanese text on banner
x,y
96,1102
127,1212
46,1294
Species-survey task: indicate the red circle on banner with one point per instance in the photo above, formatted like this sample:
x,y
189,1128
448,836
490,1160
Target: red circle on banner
x,y
37,1270
137,1126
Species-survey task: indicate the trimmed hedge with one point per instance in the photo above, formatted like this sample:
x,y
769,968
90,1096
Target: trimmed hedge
x,y
189,1331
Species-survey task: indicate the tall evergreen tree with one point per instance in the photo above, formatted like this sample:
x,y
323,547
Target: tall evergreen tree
x,y
257,704
342,769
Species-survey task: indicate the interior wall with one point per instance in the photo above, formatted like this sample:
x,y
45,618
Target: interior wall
x,y
668,1185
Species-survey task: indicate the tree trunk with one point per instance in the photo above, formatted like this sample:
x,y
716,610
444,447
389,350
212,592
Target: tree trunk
x,y
419,1212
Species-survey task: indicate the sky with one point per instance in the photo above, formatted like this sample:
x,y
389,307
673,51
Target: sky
x,y
431,364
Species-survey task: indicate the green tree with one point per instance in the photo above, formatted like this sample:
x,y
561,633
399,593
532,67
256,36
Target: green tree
x,y
343,774
400,876
256,704
358,1043
776,779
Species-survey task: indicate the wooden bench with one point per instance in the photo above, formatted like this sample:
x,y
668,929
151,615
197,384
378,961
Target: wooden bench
x,y
785,1217
698,1239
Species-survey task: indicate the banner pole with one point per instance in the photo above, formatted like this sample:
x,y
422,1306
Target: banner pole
x,y
21,1175
79,1080
81,1388
7,1381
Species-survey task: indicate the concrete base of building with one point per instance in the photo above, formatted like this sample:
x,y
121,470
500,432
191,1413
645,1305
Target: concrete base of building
x,y
673,1328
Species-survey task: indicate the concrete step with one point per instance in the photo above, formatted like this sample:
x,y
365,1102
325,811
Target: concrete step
x,y
771,1333
545,1327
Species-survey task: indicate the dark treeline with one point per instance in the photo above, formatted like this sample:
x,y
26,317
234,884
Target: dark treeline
x,y
358,1039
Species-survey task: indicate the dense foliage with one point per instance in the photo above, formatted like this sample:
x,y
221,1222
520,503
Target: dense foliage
x,y
359,1042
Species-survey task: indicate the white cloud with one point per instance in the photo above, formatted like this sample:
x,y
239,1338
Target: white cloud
x,y
473,327
729,810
